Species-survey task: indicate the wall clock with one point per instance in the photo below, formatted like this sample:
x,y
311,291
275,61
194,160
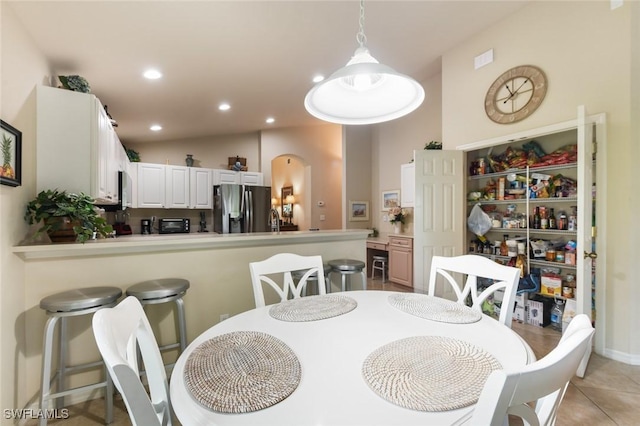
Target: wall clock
x,y
516,94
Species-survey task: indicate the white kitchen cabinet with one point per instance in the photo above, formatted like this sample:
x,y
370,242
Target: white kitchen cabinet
x,y
251,178
173,187
407,184
177,187
151,185
201,188
221,176
76,146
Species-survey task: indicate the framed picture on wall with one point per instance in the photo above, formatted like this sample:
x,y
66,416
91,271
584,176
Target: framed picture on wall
x,y
358,211
10,155
390,199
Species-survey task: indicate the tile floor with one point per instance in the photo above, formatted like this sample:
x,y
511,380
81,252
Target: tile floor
x,y
609,394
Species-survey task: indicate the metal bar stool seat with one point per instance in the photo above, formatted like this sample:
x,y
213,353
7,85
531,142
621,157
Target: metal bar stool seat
x,y
346,268
59,307
297,275
164,290
379,263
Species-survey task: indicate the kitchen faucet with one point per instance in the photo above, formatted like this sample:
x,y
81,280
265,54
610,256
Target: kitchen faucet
x,y
275,224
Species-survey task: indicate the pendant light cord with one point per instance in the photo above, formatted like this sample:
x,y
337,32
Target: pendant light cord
x,y
360,37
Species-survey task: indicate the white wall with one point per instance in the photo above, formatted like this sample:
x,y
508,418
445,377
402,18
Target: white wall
x,y
210,152
394,142
23,66
356,169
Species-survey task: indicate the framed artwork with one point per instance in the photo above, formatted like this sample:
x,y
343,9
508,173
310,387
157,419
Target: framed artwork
x,y
287,201
11,155
358,211
390,199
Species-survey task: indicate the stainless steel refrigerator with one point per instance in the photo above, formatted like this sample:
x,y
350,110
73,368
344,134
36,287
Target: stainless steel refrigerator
x,y
241,208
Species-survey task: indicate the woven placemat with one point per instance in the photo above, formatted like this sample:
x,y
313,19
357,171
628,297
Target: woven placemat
x,y
241,372
429,373
434,308
313,308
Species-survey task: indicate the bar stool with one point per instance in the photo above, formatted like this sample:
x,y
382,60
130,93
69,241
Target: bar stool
x,y
379,263
346,268
297,275
164,290
60,306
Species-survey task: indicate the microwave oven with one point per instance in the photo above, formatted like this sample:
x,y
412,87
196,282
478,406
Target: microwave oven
x,y
174,226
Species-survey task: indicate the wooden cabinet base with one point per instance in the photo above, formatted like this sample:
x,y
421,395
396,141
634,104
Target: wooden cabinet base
x,y
401,260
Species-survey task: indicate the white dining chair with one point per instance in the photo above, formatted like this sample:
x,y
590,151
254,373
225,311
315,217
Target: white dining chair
x,y
474,267
118,332
535,391
284,264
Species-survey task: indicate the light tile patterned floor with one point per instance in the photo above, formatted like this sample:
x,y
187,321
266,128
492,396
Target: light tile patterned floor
x,y
609,394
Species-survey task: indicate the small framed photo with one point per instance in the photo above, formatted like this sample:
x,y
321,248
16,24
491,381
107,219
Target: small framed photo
x,y
10,155
390,199
358,211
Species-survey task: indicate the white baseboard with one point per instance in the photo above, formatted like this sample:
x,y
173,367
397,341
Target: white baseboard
x,y
623,357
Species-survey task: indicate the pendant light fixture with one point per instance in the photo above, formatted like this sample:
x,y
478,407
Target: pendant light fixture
x,y
364,91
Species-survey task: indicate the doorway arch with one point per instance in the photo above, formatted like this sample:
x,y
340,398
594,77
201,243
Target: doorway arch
x,y
292,170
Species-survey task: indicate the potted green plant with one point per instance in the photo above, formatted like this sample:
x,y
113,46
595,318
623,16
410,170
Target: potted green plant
x,y
72,215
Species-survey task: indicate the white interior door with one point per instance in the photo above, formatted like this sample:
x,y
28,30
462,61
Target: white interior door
x,y
439,212
584,263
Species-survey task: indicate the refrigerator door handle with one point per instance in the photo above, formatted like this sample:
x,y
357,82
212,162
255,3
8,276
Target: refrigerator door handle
x,y
249,213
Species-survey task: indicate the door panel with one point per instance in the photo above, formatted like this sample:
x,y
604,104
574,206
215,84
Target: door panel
x,y
439,213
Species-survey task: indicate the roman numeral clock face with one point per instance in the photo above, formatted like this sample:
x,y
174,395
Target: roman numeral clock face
x,y
516,94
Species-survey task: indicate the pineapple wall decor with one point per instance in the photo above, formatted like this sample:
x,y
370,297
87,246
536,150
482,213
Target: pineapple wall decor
x,y
10,155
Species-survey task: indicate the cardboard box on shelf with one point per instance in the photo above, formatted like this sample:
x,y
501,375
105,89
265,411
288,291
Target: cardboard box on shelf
x,y
551,286
570,308
520,311
501,183
539,311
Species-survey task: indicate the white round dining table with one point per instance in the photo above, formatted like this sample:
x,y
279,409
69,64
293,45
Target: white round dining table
x,y
332,389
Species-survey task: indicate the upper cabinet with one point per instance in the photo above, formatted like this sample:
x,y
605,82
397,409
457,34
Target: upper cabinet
x,y
77,149
173,187
177,187
151,183
251,178
407,184
222,176
201,188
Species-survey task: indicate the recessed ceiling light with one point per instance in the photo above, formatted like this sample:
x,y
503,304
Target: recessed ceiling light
x,y
152,74
270,120
224,106
318,78
155,127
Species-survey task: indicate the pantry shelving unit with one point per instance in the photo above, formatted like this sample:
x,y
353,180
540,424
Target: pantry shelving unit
x,y
585,132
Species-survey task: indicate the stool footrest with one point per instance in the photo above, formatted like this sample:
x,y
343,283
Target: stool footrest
x,y
82,367
70,391
170,346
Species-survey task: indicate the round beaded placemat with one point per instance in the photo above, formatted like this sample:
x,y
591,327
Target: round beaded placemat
x,y
241,372
429,373
312,308
434,308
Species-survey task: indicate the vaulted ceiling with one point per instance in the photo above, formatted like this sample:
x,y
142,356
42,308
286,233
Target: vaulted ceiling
x,y
259,56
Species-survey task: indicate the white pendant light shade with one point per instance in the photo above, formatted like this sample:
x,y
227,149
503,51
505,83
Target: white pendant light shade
x,y
364,93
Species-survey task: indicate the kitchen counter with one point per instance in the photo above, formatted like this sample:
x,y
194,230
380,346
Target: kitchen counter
x,y
128,244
